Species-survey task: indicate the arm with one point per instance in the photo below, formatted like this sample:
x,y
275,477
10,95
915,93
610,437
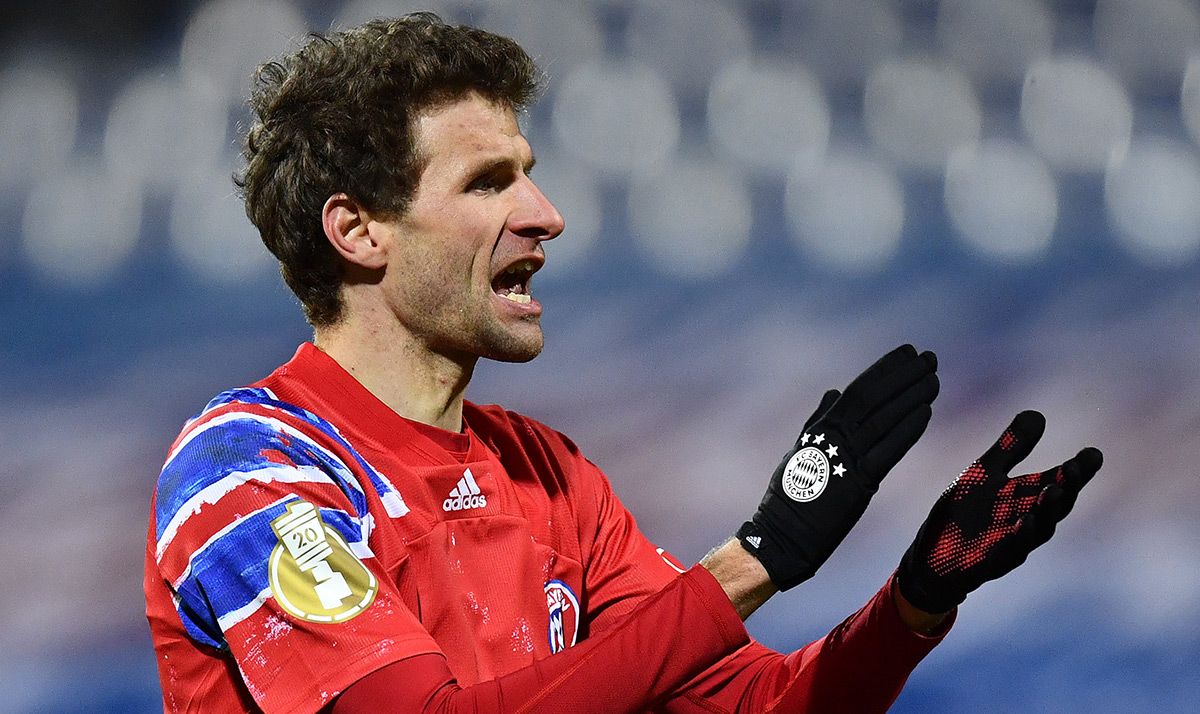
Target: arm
x,y
824,676
982,527
259,567
863,663
747,585
646,664
860,666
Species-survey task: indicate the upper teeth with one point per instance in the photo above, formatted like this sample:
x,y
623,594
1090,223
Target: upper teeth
x,y
525,266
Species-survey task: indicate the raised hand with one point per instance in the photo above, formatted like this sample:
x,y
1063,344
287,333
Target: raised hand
x,y
985,523
824,483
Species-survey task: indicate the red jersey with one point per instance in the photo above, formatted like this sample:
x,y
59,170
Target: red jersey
x,y
304,535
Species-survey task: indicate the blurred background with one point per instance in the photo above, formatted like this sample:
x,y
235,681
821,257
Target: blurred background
x,y
761,197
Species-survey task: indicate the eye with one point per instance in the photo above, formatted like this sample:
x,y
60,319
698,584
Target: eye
x,y
491,181
484,184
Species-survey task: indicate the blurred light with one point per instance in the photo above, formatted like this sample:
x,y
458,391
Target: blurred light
x,y
39,114
919,112
1148,40
226,39
81,223
618,117
559,34
359,12
848,213
574,192
842,39
159,129
1164,554
692,218
210,232
665,34
1075,113
1003,200
768,115
995,41
1153,199
1190,98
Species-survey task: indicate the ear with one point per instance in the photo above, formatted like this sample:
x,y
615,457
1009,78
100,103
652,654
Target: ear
x,y
347,227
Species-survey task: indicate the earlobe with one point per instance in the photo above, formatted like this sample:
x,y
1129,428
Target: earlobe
x,y
348,229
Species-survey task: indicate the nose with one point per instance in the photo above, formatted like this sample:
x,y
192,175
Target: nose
x,y
535,216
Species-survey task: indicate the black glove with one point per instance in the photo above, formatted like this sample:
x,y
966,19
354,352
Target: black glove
x,y
985,523
849,444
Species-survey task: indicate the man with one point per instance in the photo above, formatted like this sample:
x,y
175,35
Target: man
x,y
350,534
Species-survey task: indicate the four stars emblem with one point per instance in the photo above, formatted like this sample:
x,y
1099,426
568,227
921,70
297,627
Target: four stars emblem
x,y
831,451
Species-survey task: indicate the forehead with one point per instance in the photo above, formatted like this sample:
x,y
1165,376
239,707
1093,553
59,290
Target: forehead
x,y
469,130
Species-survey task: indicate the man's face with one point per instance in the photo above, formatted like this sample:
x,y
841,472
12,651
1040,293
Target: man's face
x,y
462,255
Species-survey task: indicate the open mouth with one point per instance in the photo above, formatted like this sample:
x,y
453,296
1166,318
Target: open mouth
x,y
512,283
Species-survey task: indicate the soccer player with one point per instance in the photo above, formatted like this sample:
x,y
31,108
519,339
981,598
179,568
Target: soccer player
x,y
351,535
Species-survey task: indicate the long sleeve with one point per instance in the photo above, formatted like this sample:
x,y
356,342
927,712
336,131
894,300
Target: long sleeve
x,y
860,666
663,642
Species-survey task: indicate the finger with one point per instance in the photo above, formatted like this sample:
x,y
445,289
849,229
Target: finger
x,y
887,417
1015,443
1090,460
827,401
1050,509
876,463
889,376
1073,475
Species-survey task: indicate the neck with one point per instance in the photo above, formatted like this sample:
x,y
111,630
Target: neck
x,y
403,373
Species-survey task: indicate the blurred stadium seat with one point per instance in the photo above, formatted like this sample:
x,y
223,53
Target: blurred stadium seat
x,y
760,195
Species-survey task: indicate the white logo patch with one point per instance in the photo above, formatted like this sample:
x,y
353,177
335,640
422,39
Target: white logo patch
x,y
465,495
807,472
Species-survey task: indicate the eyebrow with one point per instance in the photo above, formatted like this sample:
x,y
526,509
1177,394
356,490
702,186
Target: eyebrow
x,y
491,165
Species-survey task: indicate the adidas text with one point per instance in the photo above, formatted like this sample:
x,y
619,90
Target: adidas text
x,y
465,495
462,503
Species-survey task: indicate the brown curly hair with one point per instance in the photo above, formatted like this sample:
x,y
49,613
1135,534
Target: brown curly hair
x,y
337,116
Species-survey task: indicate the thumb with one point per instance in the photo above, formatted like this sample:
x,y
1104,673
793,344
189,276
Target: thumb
x,y
826,401
1015,443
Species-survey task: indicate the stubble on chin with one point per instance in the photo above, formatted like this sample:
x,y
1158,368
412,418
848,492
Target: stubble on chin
x,y
504,345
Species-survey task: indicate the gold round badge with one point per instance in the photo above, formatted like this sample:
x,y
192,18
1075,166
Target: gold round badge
x,y
314,575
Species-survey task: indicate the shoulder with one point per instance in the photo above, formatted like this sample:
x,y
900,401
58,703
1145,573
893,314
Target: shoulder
x,y
248,443
237,425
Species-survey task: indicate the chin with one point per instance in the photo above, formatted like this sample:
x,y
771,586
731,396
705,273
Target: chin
x,y
515,354
514,345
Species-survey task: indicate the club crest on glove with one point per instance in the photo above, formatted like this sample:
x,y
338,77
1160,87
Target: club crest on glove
x,y
807,472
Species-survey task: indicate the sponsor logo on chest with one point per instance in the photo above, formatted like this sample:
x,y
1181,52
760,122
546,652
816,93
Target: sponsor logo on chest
x,y
465,495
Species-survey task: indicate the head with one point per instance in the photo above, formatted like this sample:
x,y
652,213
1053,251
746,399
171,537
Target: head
x,y
359,140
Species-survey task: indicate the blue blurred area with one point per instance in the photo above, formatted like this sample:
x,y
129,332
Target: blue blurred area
x,y
684,386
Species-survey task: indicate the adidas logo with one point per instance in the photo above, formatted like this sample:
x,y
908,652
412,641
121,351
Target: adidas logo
x,y
755,541
465,495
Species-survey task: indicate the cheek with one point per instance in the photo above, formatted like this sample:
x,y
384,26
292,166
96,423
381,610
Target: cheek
x,y
441,281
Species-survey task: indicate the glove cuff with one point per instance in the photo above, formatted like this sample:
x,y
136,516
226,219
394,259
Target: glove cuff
x,y
918,594
780,567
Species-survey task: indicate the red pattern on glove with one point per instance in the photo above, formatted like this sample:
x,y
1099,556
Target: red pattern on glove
x,y
985,524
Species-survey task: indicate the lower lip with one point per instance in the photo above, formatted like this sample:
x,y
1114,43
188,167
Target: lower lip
x,y
527,309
